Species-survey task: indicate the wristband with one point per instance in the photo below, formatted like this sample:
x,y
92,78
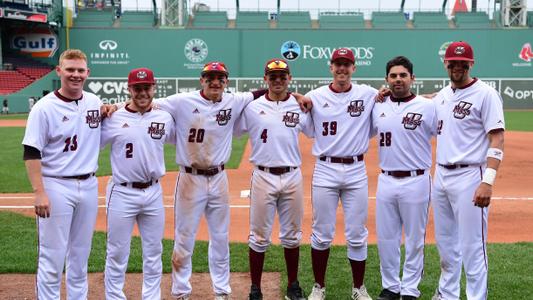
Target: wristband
x,y
489,176
495,153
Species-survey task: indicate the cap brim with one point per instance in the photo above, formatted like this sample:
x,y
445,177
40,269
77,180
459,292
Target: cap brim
x,y
214,71
459,58
278,70
342,58
141,82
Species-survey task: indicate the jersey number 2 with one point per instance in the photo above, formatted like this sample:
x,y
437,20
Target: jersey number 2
x,y
71,144
129,150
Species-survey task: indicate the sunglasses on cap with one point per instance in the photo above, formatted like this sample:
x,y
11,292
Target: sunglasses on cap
x,y
215,67
277,65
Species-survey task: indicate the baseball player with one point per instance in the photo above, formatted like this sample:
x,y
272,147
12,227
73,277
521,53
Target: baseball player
x,y
341,117
204,126
469,151
61,146
273,122
137,134
404,124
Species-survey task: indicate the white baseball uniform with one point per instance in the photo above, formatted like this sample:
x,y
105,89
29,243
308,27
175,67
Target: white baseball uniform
x,y
67,133
342,129
134,194
273,127
465,117
404,129
203,145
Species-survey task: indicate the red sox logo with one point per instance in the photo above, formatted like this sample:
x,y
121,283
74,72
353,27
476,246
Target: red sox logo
x,y
223,116
156,130
93,118
412,120
461,110
291,119
355,108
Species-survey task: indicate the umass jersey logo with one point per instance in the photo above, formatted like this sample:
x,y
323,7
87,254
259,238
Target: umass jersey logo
x,y
291,119
411,121
93,118
156,130
355,108
223,117
461,110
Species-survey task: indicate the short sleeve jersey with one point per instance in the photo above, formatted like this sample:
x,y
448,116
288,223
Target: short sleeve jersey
x,y
67,132
204,128
465,117
342,120
404,131
274,127
137,143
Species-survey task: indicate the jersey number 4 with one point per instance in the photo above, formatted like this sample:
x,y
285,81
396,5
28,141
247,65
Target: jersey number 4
x,y
71,144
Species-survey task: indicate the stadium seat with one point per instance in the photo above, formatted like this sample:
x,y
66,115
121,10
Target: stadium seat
x,y
530,18
388,20
332,20
294,20
252,20
137,19
94,18
210,19
472,20
430,20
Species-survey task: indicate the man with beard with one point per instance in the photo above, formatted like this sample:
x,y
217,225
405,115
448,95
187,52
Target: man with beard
x,y
469,151
341,118
404,124
137,134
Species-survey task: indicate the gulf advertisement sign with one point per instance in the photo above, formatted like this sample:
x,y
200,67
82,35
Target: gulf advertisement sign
x,y
38,42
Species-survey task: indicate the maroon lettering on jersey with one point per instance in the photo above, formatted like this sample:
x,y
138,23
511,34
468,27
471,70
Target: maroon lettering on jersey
x,y
461,110
156,130
412,120
291,119
93,118
355,108
223,116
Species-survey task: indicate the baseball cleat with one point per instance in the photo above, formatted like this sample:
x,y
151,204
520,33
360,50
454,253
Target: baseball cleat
x,y
222,297
360,293
294,292
255,293
318,293
388,295
408,297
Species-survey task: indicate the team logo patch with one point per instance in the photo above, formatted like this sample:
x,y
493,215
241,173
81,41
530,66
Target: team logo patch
x,y
291,119
93,118
223,117
459,50
461,110
156,130
411,121
355,108
141,75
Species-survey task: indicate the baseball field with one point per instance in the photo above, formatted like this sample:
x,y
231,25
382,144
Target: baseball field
x,y
510,235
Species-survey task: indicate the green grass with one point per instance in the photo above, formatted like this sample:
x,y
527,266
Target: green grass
x,y
13,117
510,267
13,171
519,120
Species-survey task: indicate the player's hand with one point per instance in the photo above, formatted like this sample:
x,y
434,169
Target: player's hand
x,y
42,205
429,96
483,195
306,104
382,93
177,260
106,110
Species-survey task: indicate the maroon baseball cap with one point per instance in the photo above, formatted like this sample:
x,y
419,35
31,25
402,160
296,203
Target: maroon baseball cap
x,y
345,53
215,66
277,64
459,51
141,75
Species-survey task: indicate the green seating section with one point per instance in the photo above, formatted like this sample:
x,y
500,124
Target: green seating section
x,y
137,19
530,18
294,20
94,18
467,20
388,20
430,20
341,21
210,19
252,19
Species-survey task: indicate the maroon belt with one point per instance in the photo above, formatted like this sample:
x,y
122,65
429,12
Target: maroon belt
x,y
79,177
139,185
453,167
342,160
206,172
277,170
402,174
